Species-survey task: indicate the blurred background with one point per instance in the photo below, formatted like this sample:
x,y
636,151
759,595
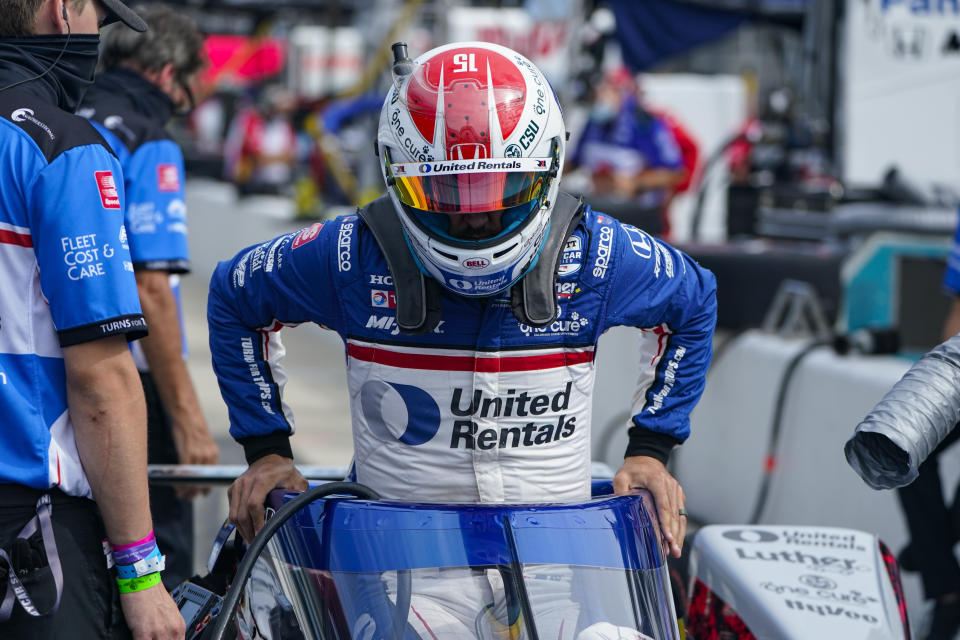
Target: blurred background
x,y
806,151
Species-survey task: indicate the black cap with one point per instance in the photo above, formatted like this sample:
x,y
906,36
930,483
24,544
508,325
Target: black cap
x,y
121,12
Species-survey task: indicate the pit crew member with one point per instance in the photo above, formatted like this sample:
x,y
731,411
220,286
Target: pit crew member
x,y
73,441
146,77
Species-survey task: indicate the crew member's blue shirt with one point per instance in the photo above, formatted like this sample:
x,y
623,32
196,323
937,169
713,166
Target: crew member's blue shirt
x,y
131,112
67,278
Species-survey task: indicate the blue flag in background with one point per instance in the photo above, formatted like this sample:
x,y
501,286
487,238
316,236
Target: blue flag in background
x,y
652,30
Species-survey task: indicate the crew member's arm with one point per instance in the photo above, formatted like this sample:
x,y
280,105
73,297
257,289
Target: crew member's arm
x,y
951,286
282,282
664,160
674,300
951,326
153,178
163,351
87,278
109,418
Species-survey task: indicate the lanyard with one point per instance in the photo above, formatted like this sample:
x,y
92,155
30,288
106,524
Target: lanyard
x,y
17,590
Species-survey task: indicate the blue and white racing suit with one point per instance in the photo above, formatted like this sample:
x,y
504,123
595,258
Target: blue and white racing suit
x,y
484,408
67,279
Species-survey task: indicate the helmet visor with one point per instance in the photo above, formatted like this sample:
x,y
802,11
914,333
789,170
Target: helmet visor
x,y
471,186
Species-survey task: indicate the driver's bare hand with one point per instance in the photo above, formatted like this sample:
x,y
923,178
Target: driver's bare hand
x,y
152,614
248,492
643,472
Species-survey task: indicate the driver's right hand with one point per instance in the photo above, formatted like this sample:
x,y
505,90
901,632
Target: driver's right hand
x,y
247,493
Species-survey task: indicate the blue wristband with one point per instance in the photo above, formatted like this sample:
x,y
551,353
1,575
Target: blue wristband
x,y
153,563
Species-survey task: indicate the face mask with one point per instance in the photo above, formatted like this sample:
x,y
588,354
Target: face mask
x,y
602,113
60,66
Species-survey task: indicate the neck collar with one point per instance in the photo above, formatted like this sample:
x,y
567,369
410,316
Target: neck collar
x,y
144,96
55,68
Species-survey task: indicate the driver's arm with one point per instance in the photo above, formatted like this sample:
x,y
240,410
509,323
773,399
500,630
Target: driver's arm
x,y
673,300
281,282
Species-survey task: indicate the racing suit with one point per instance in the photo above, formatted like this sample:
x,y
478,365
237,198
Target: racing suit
x,y
483,408
131,112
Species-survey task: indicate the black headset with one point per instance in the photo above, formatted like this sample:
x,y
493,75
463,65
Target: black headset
x,y
66,19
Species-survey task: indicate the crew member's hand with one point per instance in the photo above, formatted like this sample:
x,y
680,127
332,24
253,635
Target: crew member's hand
x,y
248,492
195,445
152,614
643,472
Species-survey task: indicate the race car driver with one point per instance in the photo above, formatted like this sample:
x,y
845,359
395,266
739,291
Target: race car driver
x,y
470,300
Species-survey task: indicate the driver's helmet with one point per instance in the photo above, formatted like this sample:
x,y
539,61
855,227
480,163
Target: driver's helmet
x,y
474,127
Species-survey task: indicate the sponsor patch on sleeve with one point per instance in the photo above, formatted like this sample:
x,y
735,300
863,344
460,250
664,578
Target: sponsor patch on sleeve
x,y
306,235
383,299
109,197
168,178
572,258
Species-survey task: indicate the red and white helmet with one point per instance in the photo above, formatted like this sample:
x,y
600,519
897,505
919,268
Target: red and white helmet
x,y
475,127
